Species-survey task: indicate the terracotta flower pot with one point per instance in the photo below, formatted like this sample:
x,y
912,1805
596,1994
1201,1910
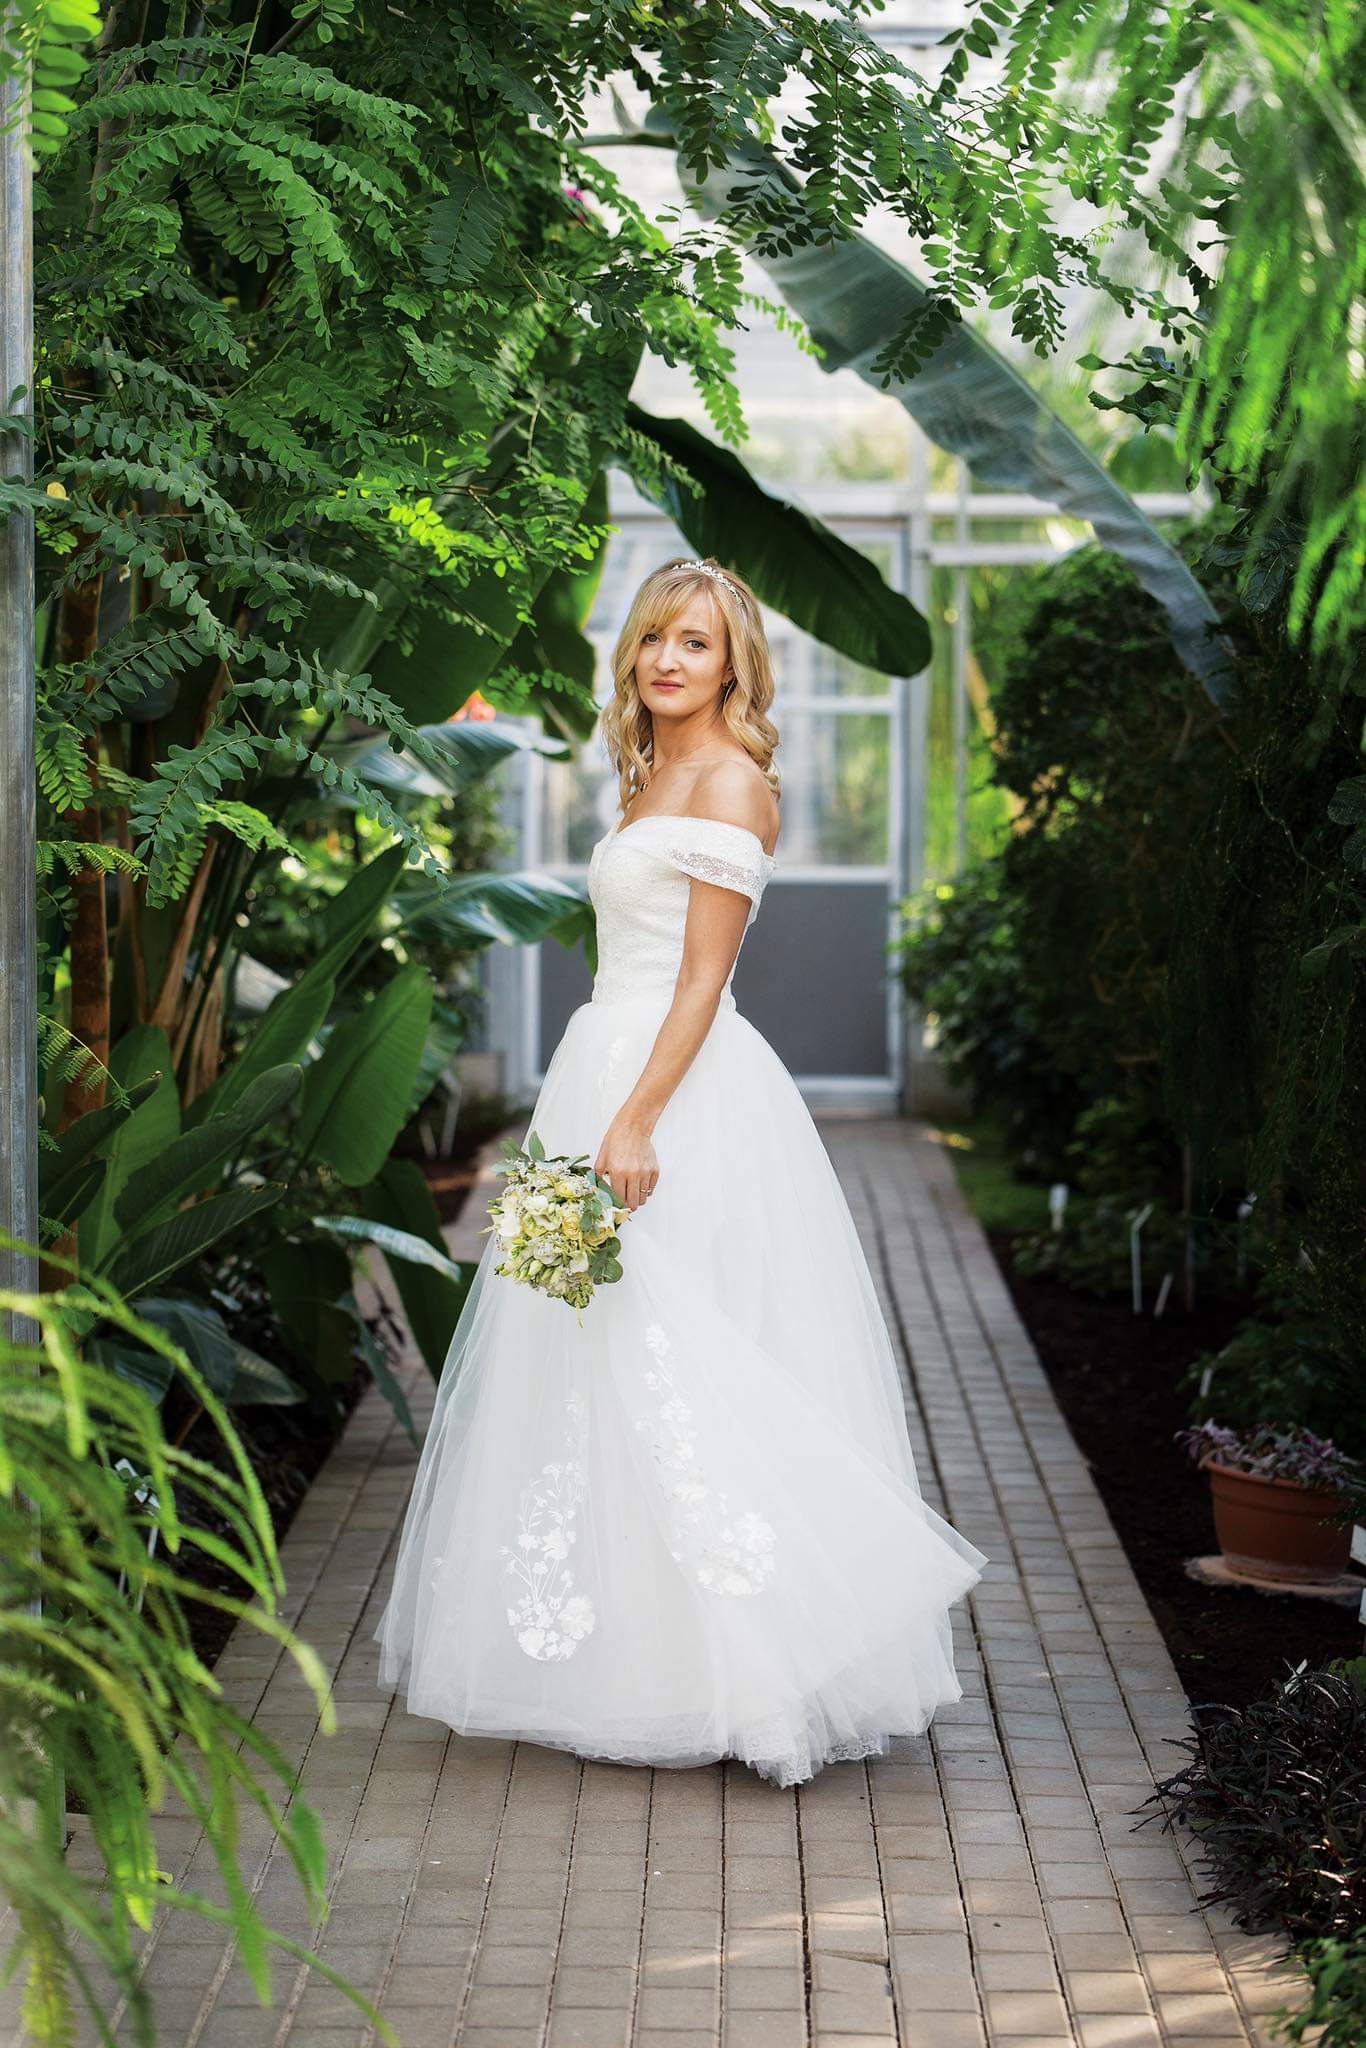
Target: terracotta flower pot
x,y
1276,1528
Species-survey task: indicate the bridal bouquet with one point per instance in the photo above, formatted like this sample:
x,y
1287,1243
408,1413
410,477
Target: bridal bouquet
x,y
556,1222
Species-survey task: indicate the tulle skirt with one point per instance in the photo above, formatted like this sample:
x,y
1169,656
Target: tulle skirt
x,y
691,1528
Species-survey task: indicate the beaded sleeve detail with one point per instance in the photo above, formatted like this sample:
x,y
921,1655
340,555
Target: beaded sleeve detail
x,y
745,876
731,856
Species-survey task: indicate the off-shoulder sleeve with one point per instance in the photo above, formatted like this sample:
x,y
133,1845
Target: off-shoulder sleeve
x,y
731,856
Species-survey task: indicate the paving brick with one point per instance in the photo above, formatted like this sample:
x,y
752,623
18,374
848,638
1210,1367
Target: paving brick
x,y
1118,2030
764,2030
677,2007
1093,1991
505,2005
854,2012
594,1984
531,1965
1029,1969
760,1990
584,2029
1024,2012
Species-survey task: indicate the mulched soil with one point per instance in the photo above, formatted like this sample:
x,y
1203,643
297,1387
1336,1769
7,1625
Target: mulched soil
x,y
1116,1378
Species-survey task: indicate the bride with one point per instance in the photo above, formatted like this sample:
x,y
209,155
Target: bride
x,y
692,1528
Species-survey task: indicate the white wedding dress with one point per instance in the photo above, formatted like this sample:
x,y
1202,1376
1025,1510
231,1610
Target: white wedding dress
x,y
691,1528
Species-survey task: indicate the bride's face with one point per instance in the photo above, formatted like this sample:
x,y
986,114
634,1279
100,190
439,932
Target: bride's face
x,y
682,666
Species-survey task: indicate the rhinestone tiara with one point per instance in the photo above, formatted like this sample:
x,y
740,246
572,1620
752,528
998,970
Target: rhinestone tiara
x,y
716,574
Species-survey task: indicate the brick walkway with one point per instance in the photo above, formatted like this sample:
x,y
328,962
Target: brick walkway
x,y
983,1885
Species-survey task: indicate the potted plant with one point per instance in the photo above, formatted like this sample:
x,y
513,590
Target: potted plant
x,y
1283,1499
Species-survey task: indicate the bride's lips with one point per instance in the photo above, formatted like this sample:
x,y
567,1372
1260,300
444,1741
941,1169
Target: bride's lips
x,y
668,686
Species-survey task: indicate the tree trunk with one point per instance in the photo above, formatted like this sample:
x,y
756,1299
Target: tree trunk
x,y
170,1008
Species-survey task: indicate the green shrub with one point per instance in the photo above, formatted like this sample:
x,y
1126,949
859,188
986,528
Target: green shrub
x,y
960,960
1337,2003
1116,1165
1287,1365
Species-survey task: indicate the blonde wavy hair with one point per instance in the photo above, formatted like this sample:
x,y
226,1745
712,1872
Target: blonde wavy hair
x,y
627,726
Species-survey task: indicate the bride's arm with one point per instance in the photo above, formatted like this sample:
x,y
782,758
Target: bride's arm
x,y
717,917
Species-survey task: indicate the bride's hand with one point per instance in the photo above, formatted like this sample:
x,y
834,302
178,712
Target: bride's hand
x,y
626,1158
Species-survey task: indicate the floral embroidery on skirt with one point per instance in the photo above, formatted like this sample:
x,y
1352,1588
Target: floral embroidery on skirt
x,y
728,1553
550,1619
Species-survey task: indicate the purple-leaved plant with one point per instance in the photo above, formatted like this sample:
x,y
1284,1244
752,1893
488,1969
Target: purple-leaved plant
x,y
1271,1453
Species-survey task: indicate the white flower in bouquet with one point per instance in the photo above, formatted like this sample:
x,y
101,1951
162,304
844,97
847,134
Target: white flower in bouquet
x,y
556,1223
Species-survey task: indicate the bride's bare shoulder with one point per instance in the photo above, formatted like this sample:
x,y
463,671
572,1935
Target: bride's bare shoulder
x,y
736,792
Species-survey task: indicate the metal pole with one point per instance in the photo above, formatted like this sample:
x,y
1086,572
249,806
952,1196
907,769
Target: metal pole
x,y
962,598
18,918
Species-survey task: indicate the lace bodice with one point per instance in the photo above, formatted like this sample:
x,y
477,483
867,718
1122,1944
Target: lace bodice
x,y
639,880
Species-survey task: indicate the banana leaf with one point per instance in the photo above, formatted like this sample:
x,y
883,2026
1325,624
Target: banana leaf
x,y
283,1035
469,751
296,1014
309,1286
393,1241
794,562
445,1036
855,300
376,1358
476,910
65,1180
401,1220
142,1054
192,1162
236,1373
356,1097
148,1259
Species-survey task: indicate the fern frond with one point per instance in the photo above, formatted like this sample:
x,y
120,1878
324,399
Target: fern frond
x,y
74,855
139,662
118,789
64,1059
152,381
246,823
167,815
464,232
371,802
366,113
